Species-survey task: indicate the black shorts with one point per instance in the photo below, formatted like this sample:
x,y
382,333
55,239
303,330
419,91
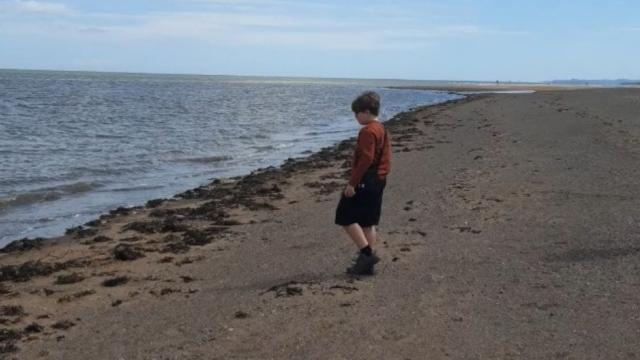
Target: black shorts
x,y
364,207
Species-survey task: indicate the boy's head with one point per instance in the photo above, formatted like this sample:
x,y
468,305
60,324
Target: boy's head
x,y
368,101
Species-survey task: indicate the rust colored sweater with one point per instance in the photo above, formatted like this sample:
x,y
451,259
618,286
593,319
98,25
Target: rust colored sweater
x,y
374,147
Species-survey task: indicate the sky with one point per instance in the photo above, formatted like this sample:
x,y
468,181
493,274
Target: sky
x,y
484,40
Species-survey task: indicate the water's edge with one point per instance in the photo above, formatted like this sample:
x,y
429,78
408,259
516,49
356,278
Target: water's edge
x,y
27,243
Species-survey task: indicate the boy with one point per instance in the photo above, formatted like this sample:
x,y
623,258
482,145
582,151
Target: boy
x,y
359,208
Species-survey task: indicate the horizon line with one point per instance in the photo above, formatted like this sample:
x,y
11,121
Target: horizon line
x,y
321,77
273,76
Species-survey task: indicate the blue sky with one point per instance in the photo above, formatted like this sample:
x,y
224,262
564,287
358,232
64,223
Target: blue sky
x,y
454,40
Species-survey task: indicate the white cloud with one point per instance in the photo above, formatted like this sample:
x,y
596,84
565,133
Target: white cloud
x,y
8,7
315,40
294,26
237,29
263,30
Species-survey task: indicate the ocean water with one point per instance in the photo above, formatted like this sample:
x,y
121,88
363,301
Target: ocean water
x,y
74,145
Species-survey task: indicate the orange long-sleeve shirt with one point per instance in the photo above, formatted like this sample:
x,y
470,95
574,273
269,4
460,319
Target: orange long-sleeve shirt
x,y
371,139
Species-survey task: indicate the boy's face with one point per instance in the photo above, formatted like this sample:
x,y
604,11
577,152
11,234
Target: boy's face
x,y
363,117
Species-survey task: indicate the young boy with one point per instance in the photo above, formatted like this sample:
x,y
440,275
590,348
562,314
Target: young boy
x,y
359,208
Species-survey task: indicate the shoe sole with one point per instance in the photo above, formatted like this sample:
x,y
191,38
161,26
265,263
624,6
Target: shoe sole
x,y
373,259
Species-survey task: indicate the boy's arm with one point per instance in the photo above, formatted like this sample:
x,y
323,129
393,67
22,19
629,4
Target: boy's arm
x,y
366,153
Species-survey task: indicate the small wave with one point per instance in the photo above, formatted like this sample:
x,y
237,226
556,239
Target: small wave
x,y
326,132
135,188
273,147
264,148
205,159
26,106
105,170
110,136
254,136
47,194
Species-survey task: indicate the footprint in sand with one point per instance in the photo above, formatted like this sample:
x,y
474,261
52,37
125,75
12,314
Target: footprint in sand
x,y
408,242
310,288
465,229
408,205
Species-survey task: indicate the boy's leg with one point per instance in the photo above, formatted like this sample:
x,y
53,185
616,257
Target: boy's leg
x,y
357,235
370,234
366,259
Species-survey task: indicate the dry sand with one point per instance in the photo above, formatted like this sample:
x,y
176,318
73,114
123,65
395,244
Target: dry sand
x,y
509,231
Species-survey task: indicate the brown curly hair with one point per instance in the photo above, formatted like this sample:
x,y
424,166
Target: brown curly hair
x,y
367,101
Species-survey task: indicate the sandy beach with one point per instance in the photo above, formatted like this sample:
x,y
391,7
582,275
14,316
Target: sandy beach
x,y
509,231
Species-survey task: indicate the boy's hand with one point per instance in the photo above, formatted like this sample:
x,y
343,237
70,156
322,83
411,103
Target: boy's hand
x,y
349,191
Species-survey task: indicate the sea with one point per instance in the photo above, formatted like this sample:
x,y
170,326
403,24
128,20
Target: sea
x,y
74,145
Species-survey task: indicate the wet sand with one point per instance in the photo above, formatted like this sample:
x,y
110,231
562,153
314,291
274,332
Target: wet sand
x,y
509,231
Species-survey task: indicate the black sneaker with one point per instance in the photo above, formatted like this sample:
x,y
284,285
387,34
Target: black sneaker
x,y
363,265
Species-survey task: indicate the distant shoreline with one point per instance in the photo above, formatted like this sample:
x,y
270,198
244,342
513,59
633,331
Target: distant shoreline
x,y
437,83
470,87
